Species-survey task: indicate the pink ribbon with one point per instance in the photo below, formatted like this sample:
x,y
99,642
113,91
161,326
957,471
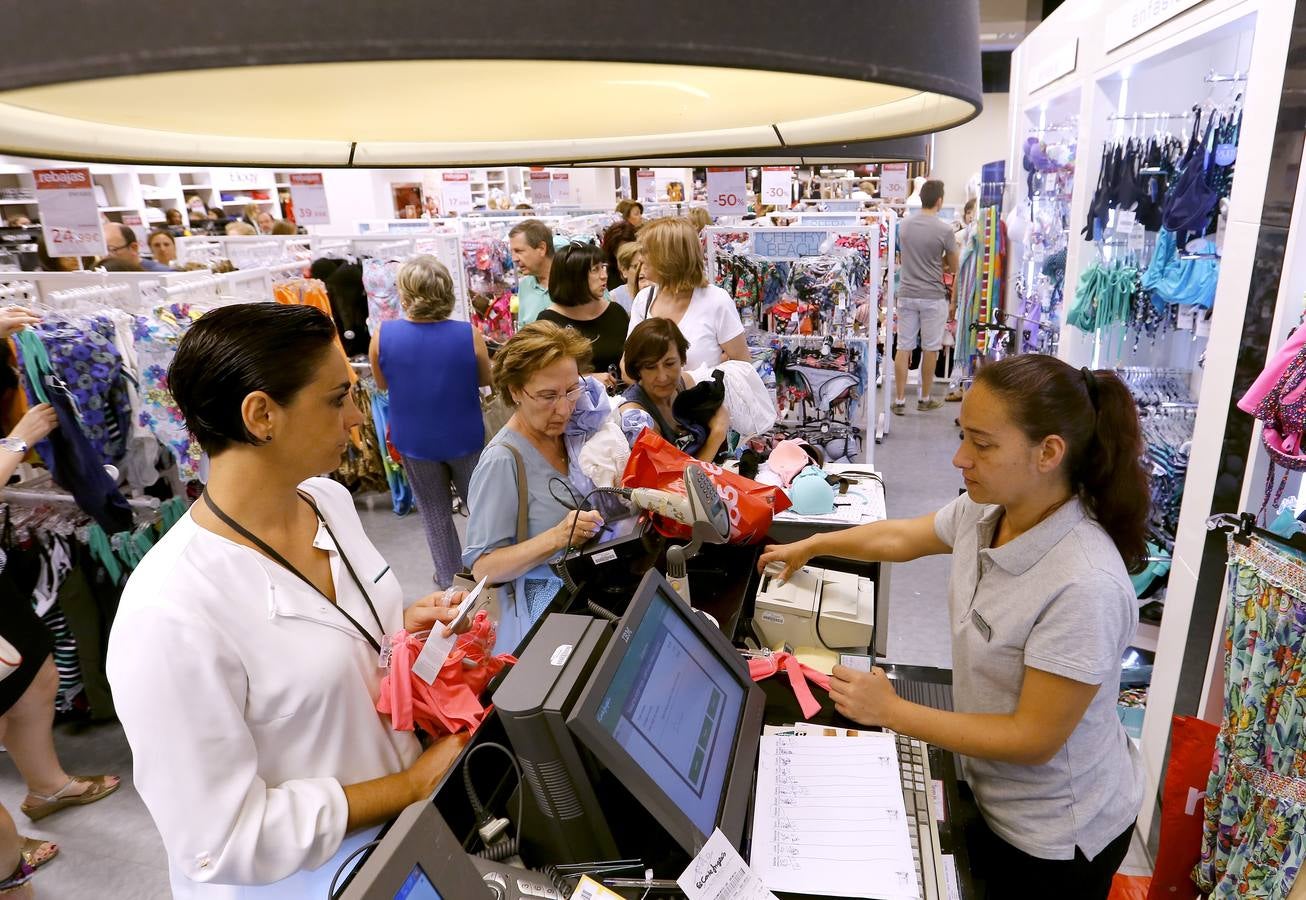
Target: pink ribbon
x,y
762,667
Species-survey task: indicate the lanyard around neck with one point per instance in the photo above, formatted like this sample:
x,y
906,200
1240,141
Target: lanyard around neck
x,y
285,563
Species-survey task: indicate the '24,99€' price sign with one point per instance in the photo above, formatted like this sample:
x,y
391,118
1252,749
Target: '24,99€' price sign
x,y
70,216
727,192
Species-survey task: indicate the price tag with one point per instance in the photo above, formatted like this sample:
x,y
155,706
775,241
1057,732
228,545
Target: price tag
x,y
646,185
456,189
70,217
1138,238
777,185
561,189
541,187
893,181
308,196
1187,318
1203,327
1050,182
1125,220
727,192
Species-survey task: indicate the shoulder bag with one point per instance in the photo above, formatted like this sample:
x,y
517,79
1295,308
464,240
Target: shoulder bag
x,y
493,595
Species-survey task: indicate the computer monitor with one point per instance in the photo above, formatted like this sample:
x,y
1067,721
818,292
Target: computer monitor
x,y
672,713
418,859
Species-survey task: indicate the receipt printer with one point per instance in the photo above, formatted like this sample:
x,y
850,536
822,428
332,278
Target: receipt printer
x,y
787,613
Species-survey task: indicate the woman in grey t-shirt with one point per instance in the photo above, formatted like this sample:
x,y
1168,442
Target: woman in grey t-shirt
x,y
1041,609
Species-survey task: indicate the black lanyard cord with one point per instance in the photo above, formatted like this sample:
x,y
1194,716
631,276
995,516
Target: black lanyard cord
x,y
285,563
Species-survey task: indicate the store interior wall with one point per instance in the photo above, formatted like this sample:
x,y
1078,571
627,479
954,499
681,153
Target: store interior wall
x,y
959,152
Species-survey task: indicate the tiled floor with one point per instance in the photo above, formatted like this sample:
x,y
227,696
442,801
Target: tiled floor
x,y
111,850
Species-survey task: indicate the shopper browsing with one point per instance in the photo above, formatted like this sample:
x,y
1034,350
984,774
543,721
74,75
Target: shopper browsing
x,y
163,247
618,235
705,314
1041,610
631,212
580,301
538,372
926,244
243,658
655,358
628,258
122,245
531,243
433,367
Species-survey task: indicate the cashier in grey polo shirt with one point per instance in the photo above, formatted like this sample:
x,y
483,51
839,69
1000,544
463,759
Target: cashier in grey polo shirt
x,y
1040,611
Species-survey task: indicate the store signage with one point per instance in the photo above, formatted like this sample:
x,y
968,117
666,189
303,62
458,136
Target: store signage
x,y
727,192
777,185
893,181
541,187
308,196
646,185
1051,66
456,189
1132,18
561,189
239,179
70,217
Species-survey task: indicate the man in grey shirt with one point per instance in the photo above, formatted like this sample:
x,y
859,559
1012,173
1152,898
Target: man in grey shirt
x,y
925,244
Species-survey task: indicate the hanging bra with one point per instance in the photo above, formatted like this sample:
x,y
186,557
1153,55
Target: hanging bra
x,y
1188,205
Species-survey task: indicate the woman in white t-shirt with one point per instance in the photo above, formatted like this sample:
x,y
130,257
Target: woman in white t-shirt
x,y
705,314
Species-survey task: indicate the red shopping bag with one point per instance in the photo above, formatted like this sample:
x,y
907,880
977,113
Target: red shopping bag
x,y
655,463
1129,887
1192,745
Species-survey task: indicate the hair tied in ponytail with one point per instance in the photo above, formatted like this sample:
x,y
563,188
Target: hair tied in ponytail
x,y
1090,382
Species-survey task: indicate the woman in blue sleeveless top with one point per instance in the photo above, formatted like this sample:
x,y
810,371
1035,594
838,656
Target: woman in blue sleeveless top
x,y
433,367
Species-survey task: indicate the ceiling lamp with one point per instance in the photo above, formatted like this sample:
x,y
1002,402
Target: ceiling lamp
x,y
912,149
402,83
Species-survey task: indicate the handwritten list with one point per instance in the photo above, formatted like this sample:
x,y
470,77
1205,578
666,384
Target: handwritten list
x,y
829,817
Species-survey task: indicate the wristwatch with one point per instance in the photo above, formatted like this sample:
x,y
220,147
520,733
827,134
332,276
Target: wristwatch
x,y
14,445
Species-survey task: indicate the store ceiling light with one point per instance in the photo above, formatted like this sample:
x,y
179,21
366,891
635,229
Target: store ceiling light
x,y
912,149
398,82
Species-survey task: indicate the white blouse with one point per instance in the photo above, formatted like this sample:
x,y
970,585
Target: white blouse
x,y
710,321
249,702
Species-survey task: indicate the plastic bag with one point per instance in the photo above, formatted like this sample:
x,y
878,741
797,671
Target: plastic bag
x,y
655,463
1192,745
452,703
1129,887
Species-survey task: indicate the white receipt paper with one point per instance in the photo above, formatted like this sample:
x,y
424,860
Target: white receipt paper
x,y
829,817
438,647
720,873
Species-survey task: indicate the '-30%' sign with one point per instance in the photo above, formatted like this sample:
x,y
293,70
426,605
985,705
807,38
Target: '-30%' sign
x,y
777,185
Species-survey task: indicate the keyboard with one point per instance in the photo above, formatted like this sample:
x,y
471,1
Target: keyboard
x,y
926,693
923,825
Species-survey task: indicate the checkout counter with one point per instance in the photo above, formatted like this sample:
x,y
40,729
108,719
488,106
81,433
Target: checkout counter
x,y
610,799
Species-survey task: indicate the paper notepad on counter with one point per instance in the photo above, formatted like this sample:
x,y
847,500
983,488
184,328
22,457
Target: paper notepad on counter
x,y
829,817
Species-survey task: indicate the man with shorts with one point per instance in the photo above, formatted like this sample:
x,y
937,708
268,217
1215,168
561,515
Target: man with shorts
x,y
925,244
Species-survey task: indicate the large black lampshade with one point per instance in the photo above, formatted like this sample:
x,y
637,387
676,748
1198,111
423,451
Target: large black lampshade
x,y
400,83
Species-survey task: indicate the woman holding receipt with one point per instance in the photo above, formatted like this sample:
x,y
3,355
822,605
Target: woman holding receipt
x,y
1041,609
244,656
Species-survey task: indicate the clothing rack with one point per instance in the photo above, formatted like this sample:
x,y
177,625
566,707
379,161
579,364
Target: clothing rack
x,y
1213,78
1147,117
1243,526
32,497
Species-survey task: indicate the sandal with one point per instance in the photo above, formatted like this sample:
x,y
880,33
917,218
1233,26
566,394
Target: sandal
x,y
99,787
37,852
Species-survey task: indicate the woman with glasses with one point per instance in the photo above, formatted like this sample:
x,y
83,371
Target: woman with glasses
x,y
578,291
538,372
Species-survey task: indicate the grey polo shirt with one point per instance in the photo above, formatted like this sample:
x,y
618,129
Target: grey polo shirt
x,y
1057,599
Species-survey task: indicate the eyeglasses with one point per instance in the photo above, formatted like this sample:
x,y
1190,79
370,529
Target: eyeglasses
x,y
599,267
116,249
550,398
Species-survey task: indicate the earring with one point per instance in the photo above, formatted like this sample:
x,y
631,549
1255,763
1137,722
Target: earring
x,y
267,439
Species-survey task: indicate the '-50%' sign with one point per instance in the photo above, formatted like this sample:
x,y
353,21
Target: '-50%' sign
x,y
727,192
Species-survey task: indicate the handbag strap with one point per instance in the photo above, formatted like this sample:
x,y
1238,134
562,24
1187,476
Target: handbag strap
x,y
522,517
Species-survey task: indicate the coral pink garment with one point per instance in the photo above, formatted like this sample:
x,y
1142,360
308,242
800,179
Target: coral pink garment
x,y
763,667
453,702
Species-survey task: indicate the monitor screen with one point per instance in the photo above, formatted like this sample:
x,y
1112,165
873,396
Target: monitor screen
x,y
417,887
674,707
617,528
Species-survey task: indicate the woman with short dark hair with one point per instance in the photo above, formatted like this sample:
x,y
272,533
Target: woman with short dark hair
x,y
655,360
243,657
579,300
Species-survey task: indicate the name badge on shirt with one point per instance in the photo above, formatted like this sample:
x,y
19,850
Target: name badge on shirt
x,y
985,630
